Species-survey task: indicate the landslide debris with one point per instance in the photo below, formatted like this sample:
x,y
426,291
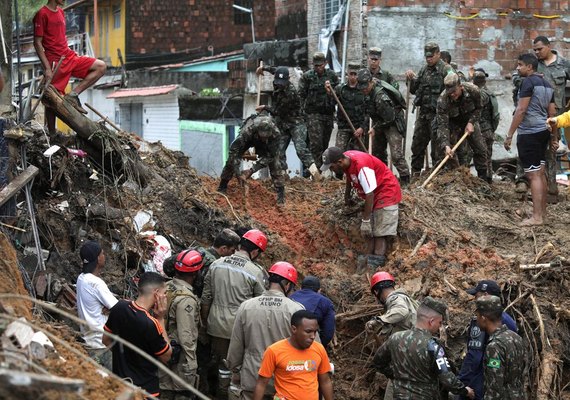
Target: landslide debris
x,y
453,233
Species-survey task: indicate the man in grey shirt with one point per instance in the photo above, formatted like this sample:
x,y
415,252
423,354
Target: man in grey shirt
x,y
535,105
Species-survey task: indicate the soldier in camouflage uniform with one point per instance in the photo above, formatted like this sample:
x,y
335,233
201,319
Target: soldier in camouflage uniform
x,y
318,106
505,353
399,315
427,86
261,132
374,59
182,322
389,123
556,71
459,111
416,361
353,102
490,115
286,108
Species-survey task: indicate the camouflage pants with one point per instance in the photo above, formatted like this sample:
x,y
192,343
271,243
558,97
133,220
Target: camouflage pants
x,y
489,139
390,137
345,140
298,133
423,134
551,169
319,128
275,170
475,142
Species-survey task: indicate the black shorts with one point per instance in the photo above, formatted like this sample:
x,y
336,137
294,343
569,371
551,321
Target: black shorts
x,y
532,150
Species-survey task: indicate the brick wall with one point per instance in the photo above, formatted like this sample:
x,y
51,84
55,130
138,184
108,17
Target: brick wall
x,y
290,19
498,32
170,27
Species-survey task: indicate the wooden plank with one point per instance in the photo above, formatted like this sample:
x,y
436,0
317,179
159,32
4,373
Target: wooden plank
x,y
31,381
18,183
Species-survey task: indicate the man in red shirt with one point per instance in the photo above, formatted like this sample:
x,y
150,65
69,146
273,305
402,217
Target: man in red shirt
x,y
377,185
50,43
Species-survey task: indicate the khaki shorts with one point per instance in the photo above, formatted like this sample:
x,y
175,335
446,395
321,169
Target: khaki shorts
x,y
385,221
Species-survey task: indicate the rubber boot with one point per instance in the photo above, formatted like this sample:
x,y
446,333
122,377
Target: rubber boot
x,y
223,187
280,195
374,262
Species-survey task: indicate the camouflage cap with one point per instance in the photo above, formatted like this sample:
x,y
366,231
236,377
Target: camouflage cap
x,y
430,49
375,51
436,305
353,67
266,128
319,58
364,77
489,304
451,81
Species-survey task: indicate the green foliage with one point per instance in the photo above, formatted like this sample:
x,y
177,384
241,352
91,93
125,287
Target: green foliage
x,y
26,10
209,92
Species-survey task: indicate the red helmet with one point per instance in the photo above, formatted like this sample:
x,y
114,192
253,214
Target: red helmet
x,y
284,270
385,278
189,261
256,237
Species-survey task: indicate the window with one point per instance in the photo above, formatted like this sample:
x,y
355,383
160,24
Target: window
x,y
241,17
117,16
330,10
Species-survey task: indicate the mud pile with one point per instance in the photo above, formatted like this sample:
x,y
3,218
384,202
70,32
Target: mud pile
x,y
453,233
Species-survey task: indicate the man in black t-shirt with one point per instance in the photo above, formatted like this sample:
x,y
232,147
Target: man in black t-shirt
x,y
132,321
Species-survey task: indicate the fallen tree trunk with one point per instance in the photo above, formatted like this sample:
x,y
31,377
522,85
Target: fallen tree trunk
x,y
113,150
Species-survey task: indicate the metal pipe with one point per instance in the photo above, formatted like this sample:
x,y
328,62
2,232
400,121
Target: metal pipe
x,y
345,44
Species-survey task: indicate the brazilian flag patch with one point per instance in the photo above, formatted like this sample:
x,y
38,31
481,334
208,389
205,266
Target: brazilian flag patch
x,y
494,363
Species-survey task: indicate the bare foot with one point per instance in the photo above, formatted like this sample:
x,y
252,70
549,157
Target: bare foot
x,y
531,222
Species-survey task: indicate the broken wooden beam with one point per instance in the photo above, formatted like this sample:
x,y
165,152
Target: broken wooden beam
x,y
17,184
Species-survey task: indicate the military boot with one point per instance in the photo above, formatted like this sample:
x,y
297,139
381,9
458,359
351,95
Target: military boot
x,y
223,187
280,195
405,181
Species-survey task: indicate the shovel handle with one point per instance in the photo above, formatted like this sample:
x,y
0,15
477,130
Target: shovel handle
x,y
442,163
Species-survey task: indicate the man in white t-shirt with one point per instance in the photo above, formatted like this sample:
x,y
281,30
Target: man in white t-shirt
x,y
94,299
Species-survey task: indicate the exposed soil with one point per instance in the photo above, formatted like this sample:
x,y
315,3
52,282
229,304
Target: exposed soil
x,y
470,232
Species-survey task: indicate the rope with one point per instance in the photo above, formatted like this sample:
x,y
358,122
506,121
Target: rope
x,y
448,15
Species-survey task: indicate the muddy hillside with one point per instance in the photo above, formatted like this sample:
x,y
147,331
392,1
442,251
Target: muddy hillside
x,y
453,233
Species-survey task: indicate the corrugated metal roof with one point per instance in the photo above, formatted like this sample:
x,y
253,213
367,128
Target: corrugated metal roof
x,y
143,92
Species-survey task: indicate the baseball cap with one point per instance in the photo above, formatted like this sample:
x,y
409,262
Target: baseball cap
x,y
311,282
89,254
281,76
485,286
319,58
364,77
375,51
330,156
451,81
430,49
483,71
489,304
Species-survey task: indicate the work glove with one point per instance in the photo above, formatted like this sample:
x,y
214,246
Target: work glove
x,y
366,228
373,325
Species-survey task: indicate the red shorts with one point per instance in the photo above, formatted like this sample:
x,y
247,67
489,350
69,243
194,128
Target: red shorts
x,y
71,66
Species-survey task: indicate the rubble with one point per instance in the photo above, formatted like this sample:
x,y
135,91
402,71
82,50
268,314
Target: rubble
x,y
452,233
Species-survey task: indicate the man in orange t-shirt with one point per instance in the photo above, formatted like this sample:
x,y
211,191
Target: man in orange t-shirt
x,y
299,364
